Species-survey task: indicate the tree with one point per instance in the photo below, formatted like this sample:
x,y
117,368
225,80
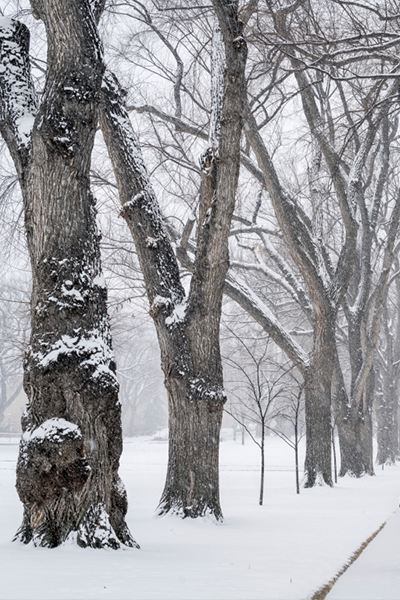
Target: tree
x,y
188,325
388,379
258,389
13,333
67,473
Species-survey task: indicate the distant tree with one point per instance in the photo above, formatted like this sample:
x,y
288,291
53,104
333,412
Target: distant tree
x,y
387,366
258,390
13,333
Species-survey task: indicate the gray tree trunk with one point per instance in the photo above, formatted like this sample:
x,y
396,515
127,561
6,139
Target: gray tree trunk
x,y
387,402
317,389
187,327
67,472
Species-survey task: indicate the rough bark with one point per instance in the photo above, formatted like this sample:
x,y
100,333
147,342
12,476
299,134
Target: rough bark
x,y
387,427
318,389
364,327
187,327
387,403
67,472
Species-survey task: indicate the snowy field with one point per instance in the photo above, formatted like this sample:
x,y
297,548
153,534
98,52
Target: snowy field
x,y
286,549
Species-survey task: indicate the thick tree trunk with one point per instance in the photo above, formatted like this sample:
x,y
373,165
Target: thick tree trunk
x,y
195,406
354,422
187,328
317,387
67,472
387,403
388,430
192,483
355,434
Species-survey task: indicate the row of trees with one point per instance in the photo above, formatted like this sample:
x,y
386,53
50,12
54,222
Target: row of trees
x,y
324,237
303,96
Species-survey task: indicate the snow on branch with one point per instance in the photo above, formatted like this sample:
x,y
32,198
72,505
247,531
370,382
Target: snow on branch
x,y
140,207
247,299
218,64
17,103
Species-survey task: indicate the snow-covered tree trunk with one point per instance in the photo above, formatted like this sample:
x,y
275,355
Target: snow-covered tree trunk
x,y
67,472
187,327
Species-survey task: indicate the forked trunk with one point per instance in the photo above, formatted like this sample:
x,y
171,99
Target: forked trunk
x,y
67,472
187,327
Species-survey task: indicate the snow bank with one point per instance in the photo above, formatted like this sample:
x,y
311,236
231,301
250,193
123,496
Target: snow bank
x,y
284,550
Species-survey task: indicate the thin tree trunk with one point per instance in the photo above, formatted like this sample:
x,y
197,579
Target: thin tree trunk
x,y
334,454
296,452
262,464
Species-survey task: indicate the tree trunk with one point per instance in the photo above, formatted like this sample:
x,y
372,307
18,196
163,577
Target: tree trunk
x,y
387,404
387,420
187,327
262,448
317,387
67,472
334,454
296,454
355,417
355,435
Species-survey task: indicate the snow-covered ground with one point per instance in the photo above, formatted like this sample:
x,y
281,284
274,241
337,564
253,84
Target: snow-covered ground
x,y
375,575
286,549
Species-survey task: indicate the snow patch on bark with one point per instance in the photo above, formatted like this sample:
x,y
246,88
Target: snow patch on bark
x,y
54,429
178,314
16,84
96,531
94,348
131,203
202,389
218,66
66,291
99,281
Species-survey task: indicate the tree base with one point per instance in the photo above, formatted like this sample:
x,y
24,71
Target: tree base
x,y
319,479
94,531
177,508
356,473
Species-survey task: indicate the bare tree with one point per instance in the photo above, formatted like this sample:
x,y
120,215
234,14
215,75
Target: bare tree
x,y
67,474
188,326
388,379
257,387
325,266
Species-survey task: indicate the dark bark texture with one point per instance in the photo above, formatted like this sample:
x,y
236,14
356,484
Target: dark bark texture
x,y
67,473
387,397
187,327
317,387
